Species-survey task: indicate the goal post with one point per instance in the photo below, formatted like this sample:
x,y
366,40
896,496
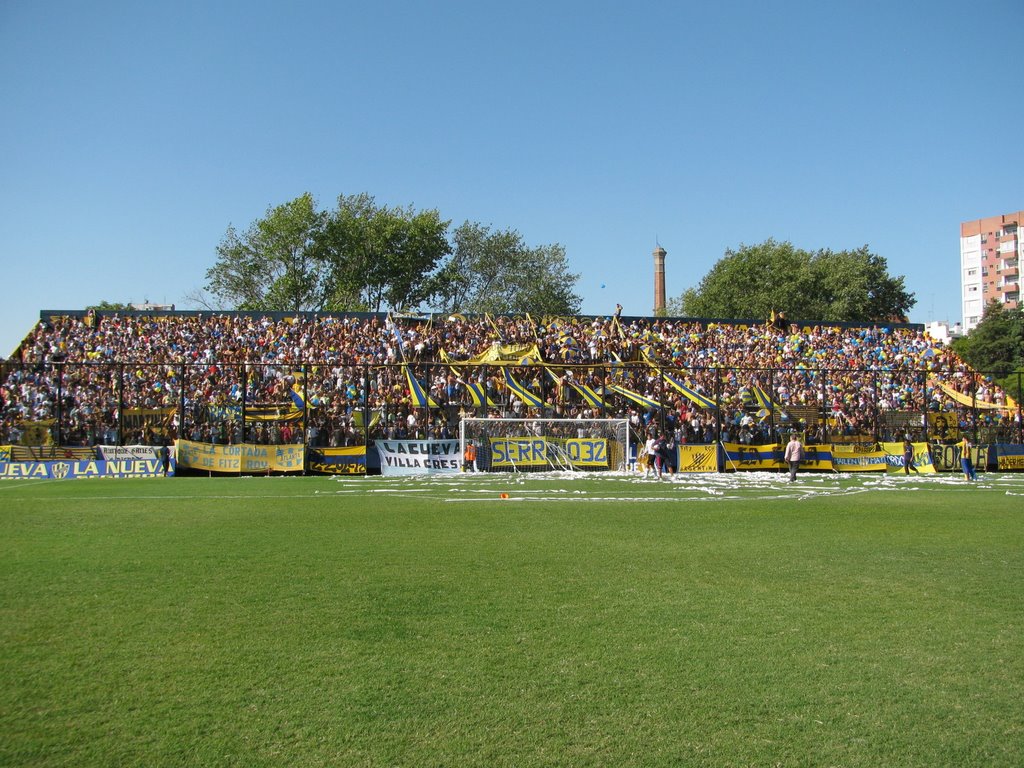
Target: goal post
x,y
544,445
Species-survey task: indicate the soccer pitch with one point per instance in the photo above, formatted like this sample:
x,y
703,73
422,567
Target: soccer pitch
x,y
712,620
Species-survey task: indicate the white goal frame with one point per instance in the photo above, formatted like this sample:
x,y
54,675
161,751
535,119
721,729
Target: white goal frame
x,y
546,445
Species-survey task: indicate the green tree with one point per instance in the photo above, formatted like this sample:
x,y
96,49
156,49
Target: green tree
x,y
996,345
110,306
497,272
757,280
274,264
374,256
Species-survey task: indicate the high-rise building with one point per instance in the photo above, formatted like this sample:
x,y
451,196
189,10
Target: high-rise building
x,y
991,251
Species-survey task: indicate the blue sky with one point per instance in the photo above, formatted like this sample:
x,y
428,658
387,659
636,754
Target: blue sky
x,y
133,134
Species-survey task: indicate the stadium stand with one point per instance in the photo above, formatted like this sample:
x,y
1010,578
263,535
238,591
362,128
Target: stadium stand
x,y
89,378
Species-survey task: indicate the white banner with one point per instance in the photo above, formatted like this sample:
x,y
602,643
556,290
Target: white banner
x,y
418,457
128,452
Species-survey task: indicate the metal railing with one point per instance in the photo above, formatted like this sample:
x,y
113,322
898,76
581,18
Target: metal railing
x,y
332,403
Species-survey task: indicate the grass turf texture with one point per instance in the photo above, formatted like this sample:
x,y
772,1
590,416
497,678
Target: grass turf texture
x,y
311,621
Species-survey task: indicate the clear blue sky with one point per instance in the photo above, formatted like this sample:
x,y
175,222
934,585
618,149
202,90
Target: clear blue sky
x,y
133,134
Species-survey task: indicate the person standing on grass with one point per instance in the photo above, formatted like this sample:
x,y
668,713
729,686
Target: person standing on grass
x,y
794,454
649,456
965,459
658,454
641,457
469,457
908,458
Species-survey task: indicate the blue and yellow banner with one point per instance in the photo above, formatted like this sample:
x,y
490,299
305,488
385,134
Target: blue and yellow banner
x,y
751,457
244,458
511,452
5,453
771,457
233,413
76,470
894,458
859,461
1009,457
349,460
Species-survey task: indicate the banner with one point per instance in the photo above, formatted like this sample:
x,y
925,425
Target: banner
x,y
971,402
1010,457
770,457
859,461
350,460
37,432
233,413
697,458
947,457
746,457
241,458
502,354
418,457
818,457
123,452
894,458
583,452
74,470
5,453
943,426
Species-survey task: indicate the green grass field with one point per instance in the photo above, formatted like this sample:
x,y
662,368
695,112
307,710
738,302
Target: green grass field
x,y
715,621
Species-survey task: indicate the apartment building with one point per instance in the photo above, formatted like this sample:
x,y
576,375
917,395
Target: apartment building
x,y
990,257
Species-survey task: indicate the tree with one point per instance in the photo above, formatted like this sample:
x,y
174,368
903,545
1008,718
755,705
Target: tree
x,y
360,256
754,281
996,345
110,306
497,272
375,256
274,264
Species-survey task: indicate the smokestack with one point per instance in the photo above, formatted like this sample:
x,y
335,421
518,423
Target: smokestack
x,y
659,279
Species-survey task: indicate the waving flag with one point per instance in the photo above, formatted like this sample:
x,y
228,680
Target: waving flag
x,y
636,397
521,392
591,397
764,400
398,336
692,395
419,397
477,392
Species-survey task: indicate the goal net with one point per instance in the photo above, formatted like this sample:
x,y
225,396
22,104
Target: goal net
x,y
542,445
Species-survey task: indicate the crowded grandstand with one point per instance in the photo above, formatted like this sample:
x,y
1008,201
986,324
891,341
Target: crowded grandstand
x,y
89,378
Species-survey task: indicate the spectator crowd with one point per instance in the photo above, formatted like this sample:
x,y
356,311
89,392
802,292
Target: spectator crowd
x,y
93,378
